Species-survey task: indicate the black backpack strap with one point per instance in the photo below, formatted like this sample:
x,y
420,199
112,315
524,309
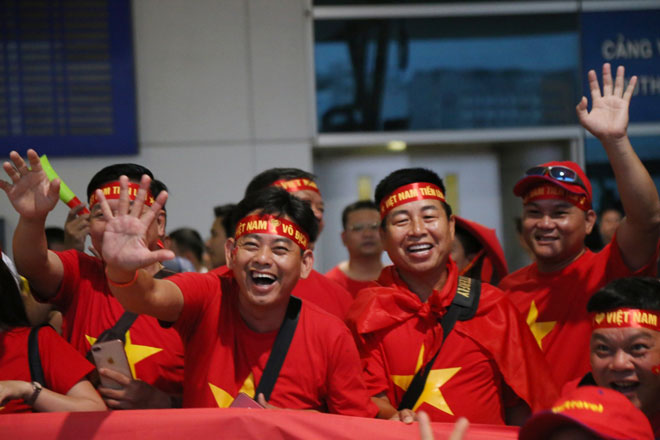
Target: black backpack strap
x,y
34,358
463,307
280,349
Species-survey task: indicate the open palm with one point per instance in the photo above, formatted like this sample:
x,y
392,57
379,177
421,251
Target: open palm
x,y
31,193
608,118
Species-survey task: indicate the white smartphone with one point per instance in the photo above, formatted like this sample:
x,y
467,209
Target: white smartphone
x,y
111,355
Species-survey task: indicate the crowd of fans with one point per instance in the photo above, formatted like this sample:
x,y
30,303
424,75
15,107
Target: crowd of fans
x,y
564,346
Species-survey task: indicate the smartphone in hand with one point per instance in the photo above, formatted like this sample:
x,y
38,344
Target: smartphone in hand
x,y
245,401
111,355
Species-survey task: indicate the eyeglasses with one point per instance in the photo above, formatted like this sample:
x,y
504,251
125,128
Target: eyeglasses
x,y
559,173
359,227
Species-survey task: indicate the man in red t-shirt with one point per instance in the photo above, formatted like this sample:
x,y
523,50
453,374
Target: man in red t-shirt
x,y
316,288
230,324
76,283
489,370
361,222
552,292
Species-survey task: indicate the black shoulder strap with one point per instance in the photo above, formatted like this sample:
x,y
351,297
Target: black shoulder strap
x,y
463,307
34,358
280,349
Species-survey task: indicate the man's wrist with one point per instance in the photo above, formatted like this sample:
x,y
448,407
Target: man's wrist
x,y
121,278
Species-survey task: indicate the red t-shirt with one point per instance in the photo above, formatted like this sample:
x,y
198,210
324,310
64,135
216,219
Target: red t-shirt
x,y
559,318
316,289
352,286
398,334
154,354
223,356
63,367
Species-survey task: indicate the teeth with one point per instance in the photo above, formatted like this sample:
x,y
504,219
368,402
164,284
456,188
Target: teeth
x,y
419,247
263,276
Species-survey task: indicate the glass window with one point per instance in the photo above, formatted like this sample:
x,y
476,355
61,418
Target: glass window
x,y
446,73
600,172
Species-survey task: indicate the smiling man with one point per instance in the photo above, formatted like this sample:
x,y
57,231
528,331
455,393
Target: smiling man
x,y
234,325
552,292
430,340
625,343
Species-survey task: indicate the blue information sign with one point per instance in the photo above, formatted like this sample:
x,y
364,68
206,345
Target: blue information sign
x,y
631,39
67,83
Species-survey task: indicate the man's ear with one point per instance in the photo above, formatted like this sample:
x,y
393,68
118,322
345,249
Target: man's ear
x,y
161,222
343,237
452,226
590,219
230,252
306,263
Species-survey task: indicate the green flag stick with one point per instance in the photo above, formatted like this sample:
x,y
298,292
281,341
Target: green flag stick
x,y
66,195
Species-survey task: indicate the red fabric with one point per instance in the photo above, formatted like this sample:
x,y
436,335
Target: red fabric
x,y
89,308
562,297
352,286
494,266
492,348
317,289
321,370
231,423
63,367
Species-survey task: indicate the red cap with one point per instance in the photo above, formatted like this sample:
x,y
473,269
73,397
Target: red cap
x,y
603,412
529,182
489,241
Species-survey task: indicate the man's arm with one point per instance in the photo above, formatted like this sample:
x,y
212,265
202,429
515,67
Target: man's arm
x,y
33,196
125,253
638,234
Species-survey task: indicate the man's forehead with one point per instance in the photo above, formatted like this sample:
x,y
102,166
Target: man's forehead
x,y
624,334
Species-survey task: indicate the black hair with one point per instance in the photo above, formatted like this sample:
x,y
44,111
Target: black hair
x,y
405,176
631,292
12,310
54,234
356,206
471,245
134,173
224,212
188,239
268,177
277,201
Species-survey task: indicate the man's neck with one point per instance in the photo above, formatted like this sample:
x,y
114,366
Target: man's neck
x,y
423,285
554,266
362,268
262,319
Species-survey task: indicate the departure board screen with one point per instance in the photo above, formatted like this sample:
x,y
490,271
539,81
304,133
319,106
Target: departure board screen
x,y
67,83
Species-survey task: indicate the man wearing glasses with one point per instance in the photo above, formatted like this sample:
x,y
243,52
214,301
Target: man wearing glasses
x,y
361,221
552,292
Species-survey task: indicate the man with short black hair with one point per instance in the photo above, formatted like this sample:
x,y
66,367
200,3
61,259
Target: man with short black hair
x,y
488,357
234,325
625,342
361,222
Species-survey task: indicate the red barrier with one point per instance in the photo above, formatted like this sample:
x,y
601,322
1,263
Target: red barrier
x,y
231,423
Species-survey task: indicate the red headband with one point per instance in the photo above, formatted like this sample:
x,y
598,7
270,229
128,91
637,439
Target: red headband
x,y
269,224
111,191
623,318
410,193
550,191
293,185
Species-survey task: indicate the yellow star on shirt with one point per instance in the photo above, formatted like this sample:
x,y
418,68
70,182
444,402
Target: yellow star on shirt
x,y
224,399
431,394
134,353
539,329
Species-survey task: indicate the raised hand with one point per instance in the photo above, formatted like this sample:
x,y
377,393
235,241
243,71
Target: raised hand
x,y
76,228
608,118
31,193
124,239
